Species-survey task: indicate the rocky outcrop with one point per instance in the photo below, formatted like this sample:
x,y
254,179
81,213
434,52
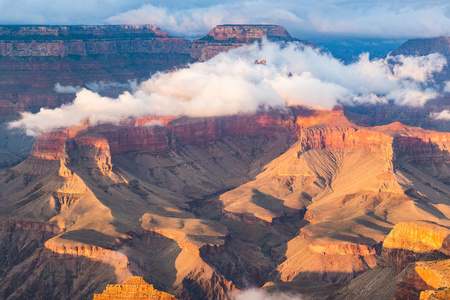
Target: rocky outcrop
x,y
226,37
422,276
336,131
412,241
134,288
330,246
414,264
114,258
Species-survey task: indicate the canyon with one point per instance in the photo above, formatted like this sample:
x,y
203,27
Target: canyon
x,y
348,203
206,207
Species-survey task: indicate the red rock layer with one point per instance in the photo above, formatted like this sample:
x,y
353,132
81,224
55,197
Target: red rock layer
x,y
392,142
156,138
50,144
160,134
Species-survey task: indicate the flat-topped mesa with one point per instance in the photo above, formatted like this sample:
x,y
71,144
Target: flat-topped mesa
x,y
87,40
225,37
134,288
247,33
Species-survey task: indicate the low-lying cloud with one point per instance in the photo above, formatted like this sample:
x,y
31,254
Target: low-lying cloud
x,y
97,86
66,89
100,86
253,294
443,115
231,83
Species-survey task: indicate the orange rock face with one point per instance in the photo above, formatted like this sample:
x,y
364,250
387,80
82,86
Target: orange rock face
x,y
418,250
134,288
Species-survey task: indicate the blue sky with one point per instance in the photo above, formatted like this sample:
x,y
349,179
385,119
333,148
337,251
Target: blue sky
x,y
304,18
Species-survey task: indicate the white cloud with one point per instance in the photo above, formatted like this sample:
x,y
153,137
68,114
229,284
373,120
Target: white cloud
x,y
99,86
377,18
387,19
257,294
443,115
230,83
68,89
199,21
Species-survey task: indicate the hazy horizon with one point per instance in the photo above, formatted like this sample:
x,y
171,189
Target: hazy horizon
x,y
303,19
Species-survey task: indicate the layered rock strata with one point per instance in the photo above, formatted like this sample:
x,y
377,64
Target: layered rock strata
x,y
134,288
414,264
35,58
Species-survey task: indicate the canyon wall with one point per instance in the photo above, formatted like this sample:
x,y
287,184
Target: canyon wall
x,y
159,139
34,58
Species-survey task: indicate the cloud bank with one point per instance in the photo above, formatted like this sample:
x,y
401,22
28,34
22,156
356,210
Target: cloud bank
x,y
303,18
386,19
231,83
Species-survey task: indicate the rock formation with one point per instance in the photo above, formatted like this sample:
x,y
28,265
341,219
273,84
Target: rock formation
x,y
204,207
414,264
225,37
134,288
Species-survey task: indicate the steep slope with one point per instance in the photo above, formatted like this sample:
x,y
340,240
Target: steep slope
x,y
109,214
204,208
352,184
33,59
